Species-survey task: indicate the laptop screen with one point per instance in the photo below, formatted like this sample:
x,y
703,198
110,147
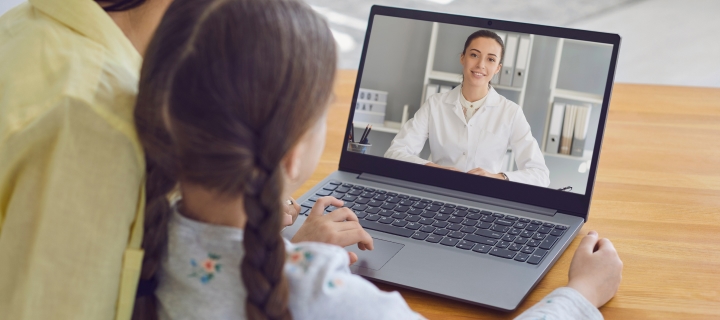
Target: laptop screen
x,y
505,105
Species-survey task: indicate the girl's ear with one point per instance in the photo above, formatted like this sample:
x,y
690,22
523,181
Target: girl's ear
x,y
292,162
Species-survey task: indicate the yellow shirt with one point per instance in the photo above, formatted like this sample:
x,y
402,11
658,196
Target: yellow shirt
x,y
71,166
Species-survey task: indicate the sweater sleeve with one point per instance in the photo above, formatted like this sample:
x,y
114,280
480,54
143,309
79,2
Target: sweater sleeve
x,y
562,303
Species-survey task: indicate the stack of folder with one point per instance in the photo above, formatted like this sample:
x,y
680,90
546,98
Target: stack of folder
x,y
517,55
568,129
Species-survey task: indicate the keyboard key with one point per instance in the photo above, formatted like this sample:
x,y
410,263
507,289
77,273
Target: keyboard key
x,y
532,227
337,195
556,232
561,227
400,223
432,208
507,254
474,216
399,215
504,222
447,210
372,217
330,187
388,206
544,230
360,207
360,214
413,225
348,197
548,242
509,238
331,209
381,191
348,204
514,231
420,205
480,239
314,198
499,228
526,234
487,219
440,224
386,213
526,220
411,218
450,205
407,202
427,221
304,210
323,193
386,228
428,229
460,213
485,212
502,244
536,222
386,220
454,227
456,234
438,203
308,204
548,224
449,241
521,240
441,232
514,247
359,187
428,214
433,238
392,194
414,198
520,225
401,208
335,182
538,236
414,211
393,200
375,203
454,219
465,245
511,218
461,208
355,192
403,196
442,217
484,225
528,250
537,256
370,189
347,185
522,257
367,194
426,201
380,197
419,235
474,210
533,243
482,248
469,222
498,215
489,234
468,229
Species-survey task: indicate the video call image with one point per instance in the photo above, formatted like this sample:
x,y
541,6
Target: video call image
x,y
503,105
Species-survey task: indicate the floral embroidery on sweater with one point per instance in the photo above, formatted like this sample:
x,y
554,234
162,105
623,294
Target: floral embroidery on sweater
x,y
206,269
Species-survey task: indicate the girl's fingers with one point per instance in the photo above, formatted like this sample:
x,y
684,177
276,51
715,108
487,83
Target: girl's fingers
x,y
353,257
587,244
342,214
323,203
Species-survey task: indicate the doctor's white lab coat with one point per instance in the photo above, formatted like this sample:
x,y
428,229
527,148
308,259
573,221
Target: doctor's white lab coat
x,y
479,143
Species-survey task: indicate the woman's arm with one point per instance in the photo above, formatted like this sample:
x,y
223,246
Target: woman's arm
x,y
528,157
407,145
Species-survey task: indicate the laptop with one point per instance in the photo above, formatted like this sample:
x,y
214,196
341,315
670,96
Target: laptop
x,y
476,239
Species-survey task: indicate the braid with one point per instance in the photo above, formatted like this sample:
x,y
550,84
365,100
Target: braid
x,y
262,265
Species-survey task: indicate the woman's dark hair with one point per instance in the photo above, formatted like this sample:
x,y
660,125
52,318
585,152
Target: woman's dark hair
x,y
119,5
486,34
227,88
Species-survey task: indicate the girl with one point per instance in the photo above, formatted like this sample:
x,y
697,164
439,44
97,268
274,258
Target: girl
x,y
231,109
471,126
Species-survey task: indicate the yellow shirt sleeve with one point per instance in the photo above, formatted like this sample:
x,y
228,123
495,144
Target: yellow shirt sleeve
x,y
70,192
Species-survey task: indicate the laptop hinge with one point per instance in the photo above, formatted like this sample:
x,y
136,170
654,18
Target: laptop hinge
x,y
457,194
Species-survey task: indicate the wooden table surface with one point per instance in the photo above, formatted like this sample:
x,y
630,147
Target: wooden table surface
x,y
657,197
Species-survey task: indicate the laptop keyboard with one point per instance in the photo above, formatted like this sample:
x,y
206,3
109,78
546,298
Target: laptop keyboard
x,y
482,231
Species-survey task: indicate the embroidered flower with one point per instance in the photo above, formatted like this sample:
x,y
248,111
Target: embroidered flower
x,y
298,259
205,270
335,283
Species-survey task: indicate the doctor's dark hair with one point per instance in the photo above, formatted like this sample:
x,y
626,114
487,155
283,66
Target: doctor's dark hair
x,y
227,88
486,34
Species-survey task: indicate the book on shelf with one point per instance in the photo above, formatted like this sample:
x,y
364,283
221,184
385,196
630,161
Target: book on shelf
x,y
552,144
582,120
567,130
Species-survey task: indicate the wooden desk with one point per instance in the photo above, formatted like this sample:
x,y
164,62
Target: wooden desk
x,y
657,197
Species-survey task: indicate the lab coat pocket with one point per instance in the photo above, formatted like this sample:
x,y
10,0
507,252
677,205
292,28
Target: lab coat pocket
x,y
491,146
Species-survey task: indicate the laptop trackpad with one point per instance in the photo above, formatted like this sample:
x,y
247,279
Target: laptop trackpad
x,y
376,258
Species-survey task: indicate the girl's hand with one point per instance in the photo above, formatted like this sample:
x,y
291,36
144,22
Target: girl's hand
x,y
291,212
340,227
596,269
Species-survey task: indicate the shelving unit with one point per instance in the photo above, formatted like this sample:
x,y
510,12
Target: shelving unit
x,y
555,92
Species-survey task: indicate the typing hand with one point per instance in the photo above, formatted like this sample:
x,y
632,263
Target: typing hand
x,y
485,173
340,227
596,269
431,164
291,212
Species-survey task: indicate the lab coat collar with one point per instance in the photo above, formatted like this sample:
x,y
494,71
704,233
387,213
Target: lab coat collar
x,y
453,98
90,20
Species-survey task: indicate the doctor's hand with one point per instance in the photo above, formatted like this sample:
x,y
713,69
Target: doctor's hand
x,y
441,167
339,227
484,173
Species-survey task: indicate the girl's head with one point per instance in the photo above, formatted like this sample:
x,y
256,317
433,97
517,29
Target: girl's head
x,y
232,98
481,58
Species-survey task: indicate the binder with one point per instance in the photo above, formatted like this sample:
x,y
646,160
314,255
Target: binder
x,y
508,68
496,77
582,119
552,144
568,129
523,56
431,90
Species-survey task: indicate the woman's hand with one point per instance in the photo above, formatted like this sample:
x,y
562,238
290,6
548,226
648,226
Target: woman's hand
x,y
485,173
596,269
340,227
431,164
291,212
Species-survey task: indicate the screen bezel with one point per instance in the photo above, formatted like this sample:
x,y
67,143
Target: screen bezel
x,y
565,202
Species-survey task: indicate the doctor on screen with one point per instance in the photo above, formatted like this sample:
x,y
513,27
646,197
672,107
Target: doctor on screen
x,y
471,126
